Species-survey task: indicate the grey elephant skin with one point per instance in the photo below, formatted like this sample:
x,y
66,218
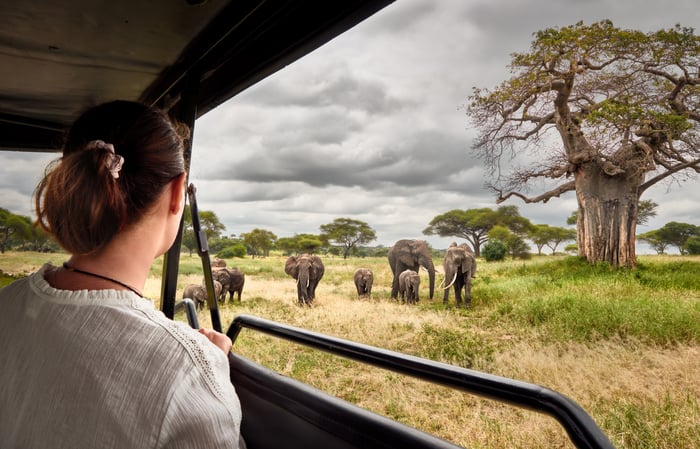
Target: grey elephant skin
x,y
308,271
198,293
363,278
460,267
409,284
232,281
409,254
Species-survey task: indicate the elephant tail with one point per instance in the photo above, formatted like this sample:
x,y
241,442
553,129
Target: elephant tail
x,y
452,282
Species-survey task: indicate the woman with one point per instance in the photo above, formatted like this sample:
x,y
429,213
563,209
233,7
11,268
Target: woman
x,y
87,361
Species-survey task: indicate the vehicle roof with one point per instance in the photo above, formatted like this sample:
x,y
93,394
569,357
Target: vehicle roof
x,y
58,58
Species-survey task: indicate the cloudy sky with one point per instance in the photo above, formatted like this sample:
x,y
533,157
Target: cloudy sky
x,y
371,126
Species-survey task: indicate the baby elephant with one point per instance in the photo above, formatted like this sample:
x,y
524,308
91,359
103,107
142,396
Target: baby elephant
x,y
363,282
198,293
409,281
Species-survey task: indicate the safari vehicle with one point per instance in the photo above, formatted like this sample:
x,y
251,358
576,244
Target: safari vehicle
x,y
188,57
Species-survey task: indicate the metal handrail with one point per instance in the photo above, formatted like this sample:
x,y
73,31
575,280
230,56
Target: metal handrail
x,y
580,427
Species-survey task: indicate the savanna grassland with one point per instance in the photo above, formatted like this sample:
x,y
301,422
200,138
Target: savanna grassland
x,y
623,344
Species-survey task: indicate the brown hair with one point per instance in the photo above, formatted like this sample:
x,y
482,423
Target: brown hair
x,y
79,202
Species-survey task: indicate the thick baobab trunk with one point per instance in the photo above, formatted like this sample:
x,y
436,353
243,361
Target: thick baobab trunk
x,y
607,216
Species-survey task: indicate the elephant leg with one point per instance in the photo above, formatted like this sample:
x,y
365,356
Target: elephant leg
x,y
458,294
468,292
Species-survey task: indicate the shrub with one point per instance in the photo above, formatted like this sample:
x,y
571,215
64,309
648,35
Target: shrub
x,y
692,245
237,250
494,250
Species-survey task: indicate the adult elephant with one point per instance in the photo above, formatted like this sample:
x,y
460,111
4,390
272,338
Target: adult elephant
x,y
409,254
236,284
460,267
232,281
363,278
308,271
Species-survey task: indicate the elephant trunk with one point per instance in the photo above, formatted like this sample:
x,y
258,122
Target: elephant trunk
x,y
428,265
304,285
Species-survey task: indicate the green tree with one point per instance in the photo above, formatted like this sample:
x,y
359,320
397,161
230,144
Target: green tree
x,y
656,240
347,233
692,245
473,225
13,227
300,243
208,222
259,241
515,244
677,234
550,236
622,103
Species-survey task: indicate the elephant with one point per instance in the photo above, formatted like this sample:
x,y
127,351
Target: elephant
x,y
409,282
410,255
198,293
232,281
460,268
308,271
363,278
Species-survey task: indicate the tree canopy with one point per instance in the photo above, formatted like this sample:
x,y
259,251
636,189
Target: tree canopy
x,y
600,111
672,234
474,225
259,241
348,233
208,222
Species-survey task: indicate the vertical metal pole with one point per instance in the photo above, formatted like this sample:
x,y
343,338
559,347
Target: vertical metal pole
x,y
186,113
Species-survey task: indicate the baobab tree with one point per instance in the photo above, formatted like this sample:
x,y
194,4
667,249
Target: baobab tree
x,y
607,112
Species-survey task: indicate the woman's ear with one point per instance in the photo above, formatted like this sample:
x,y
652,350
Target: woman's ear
x,y
177,194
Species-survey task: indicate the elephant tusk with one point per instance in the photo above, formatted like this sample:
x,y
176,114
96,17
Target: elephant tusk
x,y
453,281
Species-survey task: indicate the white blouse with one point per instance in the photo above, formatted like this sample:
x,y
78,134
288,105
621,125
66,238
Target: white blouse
x,y
105,369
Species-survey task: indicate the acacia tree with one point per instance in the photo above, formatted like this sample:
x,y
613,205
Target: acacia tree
x,y
348,233
550,236
259,241
473,225
13,226
208,222
607,112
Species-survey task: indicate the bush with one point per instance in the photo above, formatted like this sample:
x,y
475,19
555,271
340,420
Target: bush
x,y
237,250
692,245
494,250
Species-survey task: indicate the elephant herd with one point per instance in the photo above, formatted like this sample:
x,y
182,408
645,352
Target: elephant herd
x,y
226,281
407,256
405,259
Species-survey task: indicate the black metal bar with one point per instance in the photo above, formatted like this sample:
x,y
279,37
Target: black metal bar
x,y
190,311
203,251
581,428
186,114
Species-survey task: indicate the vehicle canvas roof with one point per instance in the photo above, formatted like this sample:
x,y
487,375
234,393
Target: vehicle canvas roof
x,y
58,58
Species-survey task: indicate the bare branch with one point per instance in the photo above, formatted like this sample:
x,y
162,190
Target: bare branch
x,y
567,187
695,164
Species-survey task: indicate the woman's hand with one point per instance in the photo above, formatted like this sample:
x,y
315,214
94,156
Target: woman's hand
x,y
219,339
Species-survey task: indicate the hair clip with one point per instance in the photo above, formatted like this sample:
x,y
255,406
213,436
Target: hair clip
x,y
114,162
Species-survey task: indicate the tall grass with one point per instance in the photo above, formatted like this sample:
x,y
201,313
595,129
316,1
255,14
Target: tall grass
x,y
624,344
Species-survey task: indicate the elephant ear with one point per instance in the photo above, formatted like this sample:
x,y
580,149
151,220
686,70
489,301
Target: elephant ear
x,y
317,265
291,268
